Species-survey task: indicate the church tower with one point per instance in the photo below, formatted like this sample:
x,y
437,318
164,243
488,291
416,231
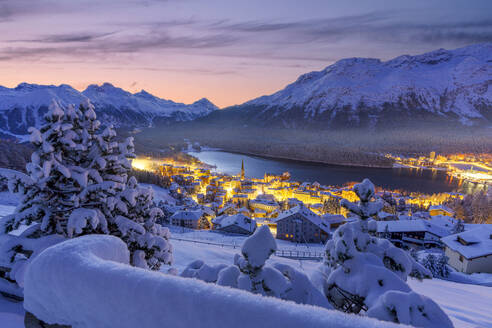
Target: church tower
x,y
242,170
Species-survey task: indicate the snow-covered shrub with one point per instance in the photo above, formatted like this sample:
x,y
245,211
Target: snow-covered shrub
x,y
255,276
200,270
409,308
364,272
251,273
78,184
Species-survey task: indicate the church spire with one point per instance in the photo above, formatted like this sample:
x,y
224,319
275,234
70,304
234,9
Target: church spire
x,y
242,169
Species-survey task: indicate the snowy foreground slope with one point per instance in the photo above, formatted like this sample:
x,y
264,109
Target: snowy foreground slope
x,y
87,282
466,305
446,84
24,106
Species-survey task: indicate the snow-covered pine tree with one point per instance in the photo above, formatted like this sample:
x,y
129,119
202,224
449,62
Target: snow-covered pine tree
x,y
414,254
78,184
49,195
386,234
364,272
129,209
458,227
429,262
53,192
437,265
442,266
203,223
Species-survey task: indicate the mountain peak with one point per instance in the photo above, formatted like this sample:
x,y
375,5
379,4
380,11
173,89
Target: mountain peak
x,y
144,94
205,102
28,86
105,87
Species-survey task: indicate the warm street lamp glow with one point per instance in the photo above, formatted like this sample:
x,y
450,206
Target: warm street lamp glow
x,y
142,164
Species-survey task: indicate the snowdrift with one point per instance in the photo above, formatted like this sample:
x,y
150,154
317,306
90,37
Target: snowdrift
x,y
88,282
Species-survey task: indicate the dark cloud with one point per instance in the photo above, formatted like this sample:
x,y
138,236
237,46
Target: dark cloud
x,y
91,45
11,9
382,26
66,38
298,40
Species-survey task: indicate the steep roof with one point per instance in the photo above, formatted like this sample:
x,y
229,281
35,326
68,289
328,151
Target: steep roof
x,y
413,226
305,213
333,218
478,242
239,220
187,215
444,221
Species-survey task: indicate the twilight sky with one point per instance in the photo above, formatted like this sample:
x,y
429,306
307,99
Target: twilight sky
x,y
229,51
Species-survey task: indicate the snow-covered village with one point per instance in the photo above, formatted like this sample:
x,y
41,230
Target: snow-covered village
x,y
245,164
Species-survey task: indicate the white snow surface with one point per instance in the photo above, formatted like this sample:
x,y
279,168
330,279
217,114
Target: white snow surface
x,y
462,76
87,282
11,314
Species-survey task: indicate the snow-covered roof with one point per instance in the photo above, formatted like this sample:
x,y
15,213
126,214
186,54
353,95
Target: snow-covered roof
x,y
187,215
383,214
239,220
422,215
264,202
307,214
476,242
444,221
441,208
412,226
333,218
218,219
207,210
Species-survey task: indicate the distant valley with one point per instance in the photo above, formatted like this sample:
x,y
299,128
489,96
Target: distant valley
x,y
350,113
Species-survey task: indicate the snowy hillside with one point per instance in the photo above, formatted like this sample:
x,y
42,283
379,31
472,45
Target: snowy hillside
x,y
24,106
450,84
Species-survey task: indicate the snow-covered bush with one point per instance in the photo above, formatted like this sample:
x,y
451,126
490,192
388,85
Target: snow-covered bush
x,y
364,272
409,308
78,184
251,273
202,271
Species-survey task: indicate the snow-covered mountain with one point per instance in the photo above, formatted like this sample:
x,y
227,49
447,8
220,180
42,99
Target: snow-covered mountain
x,y
24,106
454,85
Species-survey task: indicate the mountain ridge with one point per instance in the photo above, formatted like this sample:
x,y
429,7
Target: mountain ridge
x,y
452,85
25,105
